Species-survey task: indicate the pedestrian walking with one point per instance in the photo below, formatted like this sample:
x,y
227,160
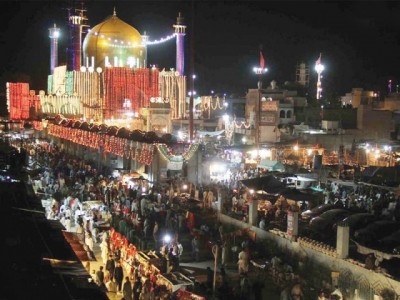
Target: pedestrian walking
x,y
195,249
89,241
100,276
225,253
110,266
155,235
137,288
243,262
127,289
119,275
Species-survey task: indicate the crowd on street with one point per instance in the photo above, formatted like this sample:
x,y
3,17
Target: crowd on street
x,y
143,212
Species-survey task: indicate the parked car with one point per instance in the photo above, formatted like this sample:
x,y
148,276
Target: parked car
x,y
358,221
316,211
323,225
390,243
370,235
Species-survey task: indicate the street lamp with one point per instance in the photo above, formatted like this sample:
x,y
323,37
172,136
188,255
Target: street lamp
x,y
322,113
260,72
191,107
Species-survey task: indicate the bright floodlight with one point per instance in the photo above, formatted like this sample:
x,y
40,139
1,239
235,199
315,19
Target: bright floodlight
x,y
319,68
296,147
225,117
259,70
167,238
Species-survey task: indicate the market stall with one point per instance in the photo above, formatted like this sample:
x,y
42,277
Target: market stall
x,y
98,209
136,180
186,295
149,266
174,281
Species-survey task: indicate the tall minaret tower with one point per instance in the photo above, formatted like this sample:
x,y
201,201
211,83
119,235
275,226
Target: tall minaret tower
x,y
76,21
180,43
54,34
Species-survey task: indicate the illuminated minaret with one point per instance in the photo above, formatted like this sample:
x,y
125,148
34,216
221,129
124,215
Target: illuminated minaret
x,y
145,39
54,34
319,67
76,21
180,43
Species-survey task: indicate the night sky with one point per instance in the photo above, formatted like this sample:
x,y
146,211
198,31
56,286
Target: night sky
x,y
359,41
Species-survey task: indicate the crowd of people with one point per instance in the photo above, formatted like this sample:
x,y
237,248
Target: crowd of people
x,y
139,211
381,201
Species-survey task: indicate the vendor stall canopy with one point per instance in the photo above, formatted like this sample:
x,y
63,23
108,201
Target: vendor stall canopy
x,y
271,165
269,184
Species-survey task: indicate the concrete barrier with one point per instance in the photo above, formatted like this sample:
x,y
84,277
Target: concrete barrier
x,y
352,274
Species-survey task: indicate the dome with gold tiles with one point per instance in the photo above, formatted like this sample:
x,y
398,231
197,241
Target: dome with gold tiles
x,y
114,43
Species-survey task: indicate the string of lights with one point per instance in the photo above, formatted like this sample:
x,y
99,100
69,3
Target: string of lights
x,y
167,155
128,44
207,103
242,124
162,40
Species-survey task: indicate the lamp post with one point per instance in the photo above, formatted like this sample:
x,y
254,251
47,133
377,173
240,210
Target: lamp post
x,y
191,107
260,71
215,249
319,67
228,129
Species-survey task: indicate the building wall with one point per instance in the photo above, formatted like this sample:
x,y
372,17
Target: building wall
x,y
358,97
391,104
375,123
269,134
351,275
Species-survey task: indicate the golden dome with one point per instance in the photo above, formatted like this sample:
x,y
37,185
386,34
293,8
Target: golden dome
x,y
114,42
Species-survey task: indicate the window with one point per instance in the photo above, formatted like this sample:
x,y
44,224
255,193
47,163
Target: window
x,y
289,114
282,114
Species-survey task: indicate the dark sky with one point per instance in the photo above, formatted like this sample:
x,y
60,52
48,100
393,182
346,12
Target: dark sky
x,y
359,41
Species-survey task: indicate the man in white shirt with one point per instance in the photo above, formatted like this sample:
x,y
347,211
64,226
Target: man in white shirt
x,y
89,241
243,262
234,200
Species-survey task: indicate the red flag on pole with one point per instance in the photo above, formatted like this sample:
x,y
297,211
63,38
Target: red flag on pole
x,y
262,61
318,62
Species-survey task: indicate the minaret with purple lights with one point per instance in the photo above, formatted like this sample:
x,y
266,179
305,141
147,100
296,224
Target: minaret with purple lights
x,y
180,43
54,34
76,22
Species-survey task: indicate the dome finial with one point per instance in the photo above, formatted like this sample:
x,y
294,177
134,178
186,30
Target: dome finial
x,y
115,12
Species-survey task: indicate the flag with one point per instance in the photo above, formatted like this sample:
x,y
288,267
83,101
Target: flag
x,y
262,61
318,62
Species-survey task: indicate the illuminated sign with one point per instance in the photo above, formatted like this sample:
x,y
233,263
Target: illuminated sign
x,y
269,105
